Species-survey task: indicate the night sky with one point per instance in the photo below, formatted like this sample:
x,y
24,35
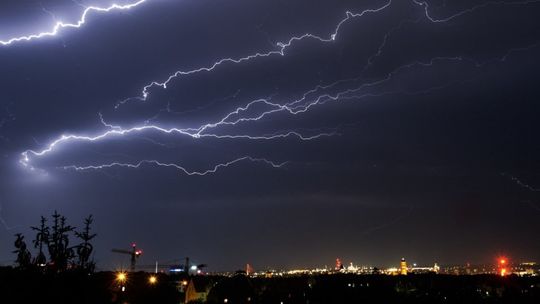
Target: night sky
x,y
413,133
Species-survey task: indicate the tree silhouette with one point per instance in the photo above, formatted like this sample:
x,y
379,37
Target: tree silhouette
x,y
84,250
59,250
56,239
23,255
42,237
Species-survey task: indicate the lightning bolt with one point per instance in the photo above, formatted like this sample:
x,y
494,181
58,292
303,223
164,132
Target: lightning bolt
x,y
426,5
239,115
295,107
176,166
523,184
527,187
25,156
282,47
59,25
167,108
298,106
399,218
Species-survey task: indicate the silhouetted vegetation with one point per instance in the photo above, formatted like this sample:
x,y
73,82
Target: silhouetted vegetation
x,y
23,255
42,237
85,249
56,239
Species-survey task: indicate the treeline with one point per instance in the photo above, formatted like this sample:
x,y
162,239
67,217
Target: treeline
x,y
54,249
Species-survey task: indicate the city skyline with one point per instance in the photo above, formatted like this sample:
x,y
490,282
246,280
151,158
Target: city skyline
x,y
275,133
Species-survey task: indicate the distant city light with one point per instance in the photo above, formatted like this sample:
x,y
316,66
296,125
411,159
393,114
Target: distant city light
x,y
177,269
152,280
503,262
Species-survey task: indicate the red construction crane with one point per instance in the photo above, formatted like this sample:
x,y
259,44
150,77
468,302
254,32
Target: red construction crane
x,y
135,253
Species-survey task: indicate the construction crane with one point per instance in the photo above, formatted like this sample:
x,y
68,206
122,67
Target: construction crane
x,y
135,253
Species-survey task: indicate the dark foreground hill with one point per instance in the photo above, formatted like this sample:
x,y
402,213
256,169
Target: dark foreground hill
x,y
28,286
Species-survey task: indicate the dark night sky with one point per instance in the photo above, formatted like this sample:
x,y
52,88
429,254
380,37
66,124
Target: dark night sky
x,y
432,150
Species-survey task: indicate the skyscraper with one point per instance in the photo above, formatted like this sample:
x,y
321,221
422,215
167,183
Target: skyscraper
x,y
403,266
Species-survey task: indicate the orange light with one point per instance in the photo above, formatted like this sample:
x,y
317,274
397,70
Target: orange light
x,y
503,272
121,277
502,261
152,280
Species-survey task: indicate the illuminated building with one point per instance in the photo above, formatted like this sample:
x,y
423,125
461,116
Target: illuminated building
x,y
249,270
339,265
436,268
526,269
403,267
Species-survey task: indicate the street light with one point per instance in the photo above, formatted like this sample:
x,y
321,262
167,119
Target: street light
x,y
121,277
152,280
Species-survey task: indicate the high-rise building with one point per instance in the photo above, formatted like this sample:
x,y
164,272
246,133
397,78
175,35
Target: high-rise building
x,y
249,269
403,266
339,265
436,268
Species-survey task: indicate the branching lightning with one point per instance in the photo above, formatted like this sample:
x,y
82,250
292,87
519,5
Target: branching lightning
x,y
176,166
397,219
526,186
282,47
247,113
59,25
25,160
299,106
426,5
523,184
295,107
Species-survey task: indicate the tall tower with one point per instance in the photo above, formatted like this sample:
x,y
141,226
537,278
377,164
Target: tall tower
x,y
339,265
249,269
403,267
502,269
436,268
